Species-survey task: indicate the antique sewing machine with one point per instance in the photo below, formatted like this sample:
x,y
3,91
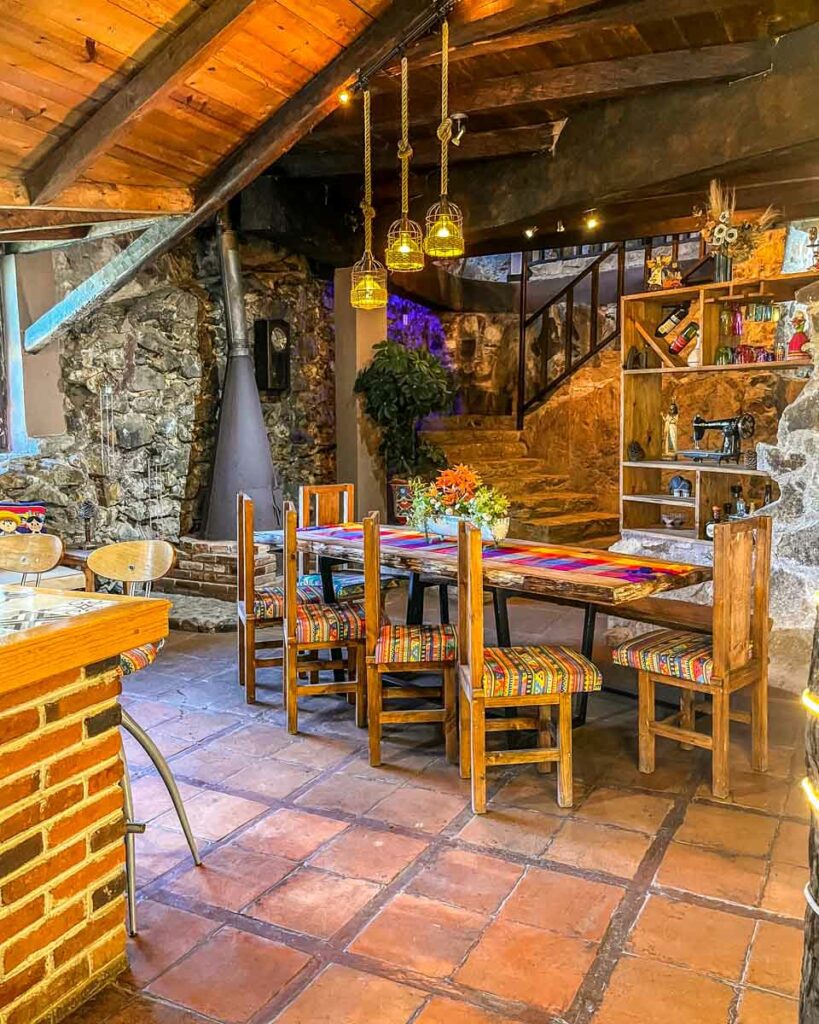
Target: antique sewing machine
x,y
734,430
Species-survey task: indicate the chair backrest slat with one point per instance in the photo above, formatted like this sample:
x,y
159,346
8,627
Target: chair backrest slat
x,y
291,569
132,562
742,566
372,579
470,558
245,552
30,553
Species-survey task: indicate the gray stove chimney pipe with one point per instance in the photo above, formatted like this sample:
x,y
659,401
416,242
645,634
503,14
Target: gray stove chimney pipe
x,y
243,461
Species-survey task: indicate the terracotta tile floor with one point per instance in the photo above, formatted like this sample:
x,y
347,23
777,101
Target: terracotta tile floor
x,y
333,893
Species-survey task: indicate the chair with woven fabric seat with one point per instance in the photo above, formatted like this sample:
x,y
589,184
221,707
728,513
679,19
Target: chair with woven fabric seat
x,y
309,629
733,658
137,565
540,677
415,648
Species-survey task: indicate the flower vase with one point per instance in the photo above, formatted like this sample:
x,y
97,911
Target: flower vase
x,y
447,526
723,267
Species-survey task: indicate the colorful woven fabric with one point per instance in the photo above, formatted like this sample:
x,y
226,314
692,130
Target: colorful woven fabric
x,y
269,603
329,623
349,586
139,657
402,645
669,652
514,554
529,671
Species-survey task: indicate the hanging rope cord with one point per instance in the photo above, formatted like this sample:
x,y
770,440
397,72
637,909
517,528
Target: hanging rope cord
x,y
367,203
445,127
404,147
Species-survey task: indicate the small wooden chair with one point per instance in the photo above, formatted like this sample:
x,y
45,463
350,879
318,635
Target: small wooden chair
x,y
735,657
30,554
136,565
543,676
313,627
417,648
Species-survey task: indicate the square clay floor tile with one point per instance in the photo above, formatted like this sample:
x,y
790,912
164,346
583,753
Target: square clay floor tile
x,y
642,991
512,829
160,849
151,796
144,1010
764,1008
165,935
195,726
536,792
720,875
315,751
776,958
138,758
525,964
367,853
796,806
562,903
314,902
340,995
639,811
666,778
231,877
257,740
149,713
207,764
399,769
214,815
466,879
291,834
443,778
413,807
347,793
791,844
440,1010
599,848
271,779
757,790
727,829
784,890
711,941
231,976
422,935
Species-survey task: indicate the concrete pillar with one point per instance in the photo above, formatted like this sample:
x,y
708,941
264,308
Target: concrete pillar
x,y
357,458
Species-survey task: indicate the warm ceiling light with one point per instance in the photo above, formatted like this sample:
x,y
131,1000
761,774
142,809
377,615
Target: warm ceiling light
x,y
530,232
592,219
369,277
344,97
560,227
405,238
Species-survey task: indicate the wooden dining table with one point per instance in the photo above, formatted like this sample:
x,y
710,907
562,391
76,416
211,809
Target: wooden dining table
x,y
587,578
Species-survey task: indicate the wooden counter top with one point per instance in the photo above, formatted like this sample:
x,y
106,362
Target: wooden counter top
x,y
45,632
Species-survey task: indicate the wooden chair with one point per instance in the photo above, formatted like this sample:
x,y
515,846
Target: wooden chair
x,y
30,554
413,648
735,657
136,565
257,608
543,677
310,628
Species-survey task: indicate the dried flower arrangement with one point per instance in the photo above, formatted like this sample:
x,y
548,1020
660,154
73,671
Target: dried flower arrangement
x,y
737,240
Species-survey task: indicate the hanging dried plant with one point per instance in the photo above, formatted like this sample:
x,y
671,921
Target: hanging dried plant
x,y
724,234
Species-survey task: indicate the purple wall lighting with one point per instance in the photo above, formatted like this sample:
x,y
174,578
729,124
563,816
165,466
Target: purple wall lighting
x,y
413,325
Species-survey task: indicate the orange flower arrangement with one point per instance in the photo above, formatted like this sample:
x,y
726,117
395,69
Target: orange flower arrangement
x,y
457,492
456,484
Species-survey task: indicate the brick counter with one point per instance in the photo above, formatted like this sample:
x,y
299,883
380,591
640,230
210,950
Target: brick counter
x,y
62,858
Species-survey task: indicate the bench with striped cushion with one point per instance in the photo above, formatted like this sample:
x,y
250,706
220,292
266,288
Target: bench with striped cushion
x,y
669,652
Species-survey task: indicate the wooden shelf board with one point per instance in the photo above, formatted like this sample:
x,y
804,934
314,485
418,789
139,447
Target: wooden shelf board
x,y
671,360
799,278
660,499
664,532
707,368
731,468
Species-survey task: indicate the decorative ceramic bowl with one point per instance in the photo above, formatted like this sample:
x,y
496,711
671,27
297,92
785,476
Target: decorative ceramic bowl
x,y
672,520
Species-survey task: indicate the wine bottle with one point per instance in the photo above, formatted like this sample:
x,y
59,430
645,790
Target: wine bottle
x,y
668,323
688,333
716,517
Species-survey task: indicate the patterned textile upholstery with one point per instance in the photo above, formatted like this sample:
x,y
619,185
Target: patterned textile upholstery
x,y
541,669
349,586
669,652
269,602
406,644
329,623
139,657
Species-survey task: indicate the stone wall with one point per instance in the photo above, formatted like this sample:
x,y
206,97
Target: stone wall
x,y
161,342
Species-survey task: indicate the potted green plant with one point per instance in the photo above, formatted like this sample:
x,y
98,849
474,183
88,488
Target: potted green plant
x,y
399,387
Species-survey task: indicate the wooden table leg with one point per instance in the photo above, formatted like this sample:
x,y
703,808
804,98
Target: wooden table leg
x,y
328,593
586,649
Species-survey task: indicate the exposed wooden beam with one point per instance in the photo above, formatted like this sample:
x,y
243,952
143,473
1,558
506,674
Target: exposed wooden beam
x,y
308,163
45,237
476,39
62,165
34,221
104,197
39,241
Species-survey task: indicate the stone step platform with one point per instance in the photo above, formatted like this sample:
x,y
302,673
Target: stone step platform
x,y
570,528
553,503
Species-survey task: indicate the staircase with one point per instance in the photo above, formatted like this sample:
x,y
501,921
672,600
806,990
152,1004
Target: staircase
x,y
543,507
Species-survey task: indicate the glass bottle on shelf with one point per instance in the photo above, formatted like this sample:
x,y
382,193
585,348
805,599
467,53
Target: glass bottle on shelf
x,y
767,496
716,517
669,322
737,321
688,333
724,354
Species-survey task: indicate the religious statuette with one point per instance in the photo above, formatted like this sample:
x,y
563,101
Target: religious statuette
x,y
670,420
656,266
799,340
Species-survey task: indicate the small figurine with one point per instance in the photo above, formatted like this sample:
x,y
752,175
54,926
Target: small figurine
x,y
673,276
670,420
799,339
813,235
656,266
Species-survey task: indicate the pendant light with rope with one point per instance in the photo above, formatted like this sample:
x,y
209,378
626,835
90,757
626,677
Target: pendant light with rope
x,y
405,239
369,277
444,221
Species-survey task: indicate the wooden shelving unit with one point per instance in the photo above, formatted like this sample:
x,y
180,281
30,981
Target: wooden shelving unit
x,y
644,496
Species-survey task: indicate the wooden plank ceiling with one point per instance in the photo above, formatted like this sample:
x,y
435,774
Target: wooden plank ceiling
x,y
124,107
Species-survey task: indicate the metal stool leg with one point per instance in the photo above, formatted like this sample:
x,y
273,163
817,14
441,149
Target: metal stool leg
x,y
132,828
162,766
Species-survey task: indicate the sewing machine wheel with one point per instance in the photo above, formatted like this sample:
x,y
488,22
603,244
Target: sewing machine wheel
x,y
746,425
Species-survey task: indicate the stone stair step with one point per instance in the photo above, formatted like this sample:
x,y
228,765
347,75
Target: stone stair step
x,y
571,528
556,503
469,421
